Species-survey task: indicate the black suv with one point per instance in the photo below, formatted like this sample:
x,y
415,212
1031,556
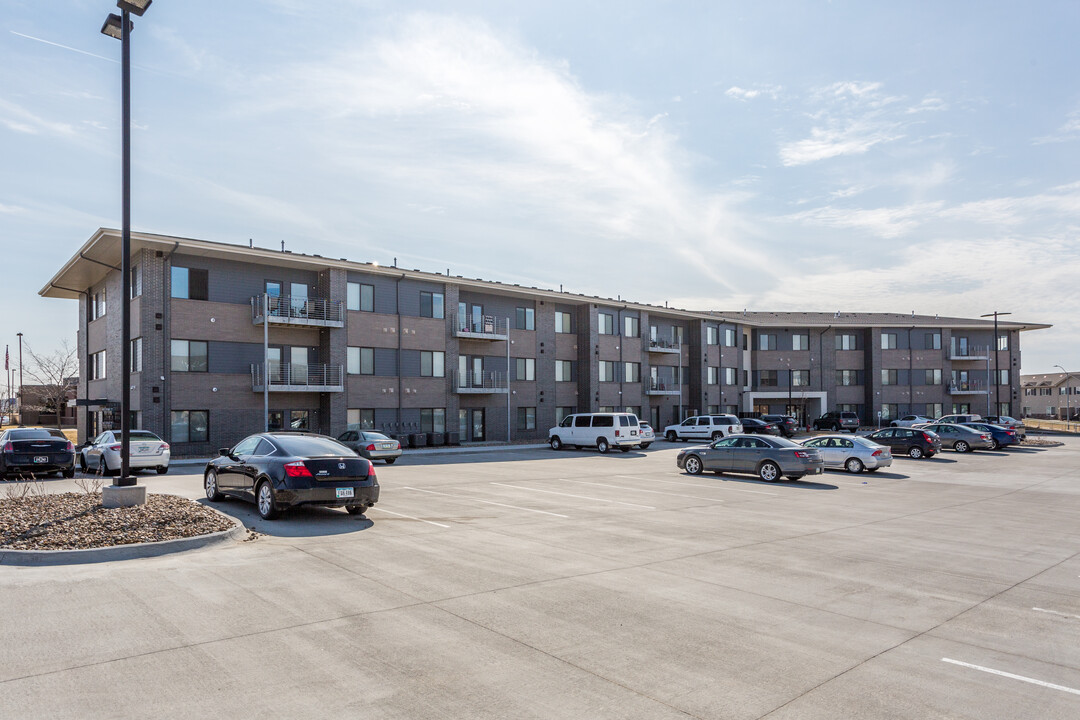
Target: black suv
x,y
837,421
786,423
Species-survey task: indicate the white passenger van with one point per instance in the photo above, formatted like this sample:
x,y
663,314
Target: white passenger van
x,y
600,430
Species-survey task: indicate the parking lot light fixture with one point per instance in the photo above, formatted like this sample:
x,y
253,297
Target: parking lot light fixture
x,y
113,26
1068,409
997,373
134,6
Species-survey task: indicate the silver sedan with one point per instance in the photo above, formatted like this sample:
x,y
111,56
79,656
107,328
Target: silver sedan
x,y
147,451
853,454
768,457
961,438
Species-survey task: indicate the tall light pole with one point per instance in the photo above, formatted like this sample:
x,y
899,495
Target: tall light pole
x,y
119,27
20,379
997,373
1068,410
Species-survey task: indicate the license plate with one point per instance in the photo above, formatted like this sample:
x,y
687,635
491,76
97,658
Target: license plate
x,y
386,446
344,492
41,458
143,449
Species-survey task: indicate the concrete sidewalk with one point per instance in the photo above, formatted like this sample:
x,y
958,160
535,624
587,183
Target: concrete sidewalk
x,y
441,450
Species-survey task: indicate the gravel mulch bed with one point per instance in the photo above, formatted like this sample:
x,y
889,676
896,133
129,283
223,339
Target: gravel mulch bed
x,y
1039,442
77,521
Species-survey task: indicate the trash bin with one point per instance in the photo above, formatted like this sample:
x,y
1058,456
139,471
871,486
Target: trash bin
x,y
453,438
434,438
417,440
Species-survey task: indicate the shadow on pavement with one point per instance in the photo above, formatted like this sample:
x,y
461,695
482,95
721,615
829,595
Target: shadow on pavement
x,y
309,521
802,484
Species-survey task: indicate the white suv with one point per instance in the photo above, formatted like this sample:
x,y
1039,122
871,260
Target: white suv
x,y
704,427
600,430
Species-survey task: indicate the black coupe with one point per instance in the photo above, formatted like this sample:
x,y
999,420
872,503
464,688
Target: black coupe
x,y
35,451
279,470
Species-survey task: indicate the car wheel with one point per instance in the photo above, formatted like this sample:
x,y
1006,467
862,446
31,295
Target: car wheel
x,y
915,452
390,461
693,465
994,444
602,445
355,509
100,469
961,446
670,436
717,435
645,446
556,443
210,486
69,472
162,469
769,471
264,501
853,465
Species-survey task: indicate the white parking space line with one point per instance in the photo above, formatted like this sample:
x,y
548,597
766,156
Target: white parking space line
x,y
657,492
410,517
1055,612
1002,673
711,487
486,502
579,497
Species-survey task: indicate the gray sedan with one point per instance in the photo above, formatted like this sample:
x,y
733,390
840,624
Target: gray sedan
x,y
853,454
961,438
371,445
767,457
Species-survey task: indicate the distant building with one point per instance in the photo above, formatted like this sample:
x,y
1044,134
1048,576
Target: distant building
x,y
39,405
218,330
1051,396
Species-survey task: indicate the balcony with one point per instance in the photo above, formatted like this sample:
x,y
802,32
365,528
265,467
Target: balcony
x,y
659,386
303,311
961,354
665,346
480,383
971,387
313,377
487,327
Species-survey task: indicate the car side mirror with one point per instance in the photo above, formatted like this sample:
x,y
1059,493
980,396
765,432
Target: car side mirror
x,y
224,452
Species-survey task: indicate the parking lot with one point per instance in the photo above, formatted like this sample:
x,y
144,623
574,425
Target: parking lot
x,y
530,583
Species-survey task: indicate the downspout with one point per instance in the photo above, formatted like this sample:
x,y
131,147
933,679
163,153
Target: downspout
x,y
397,308
821,362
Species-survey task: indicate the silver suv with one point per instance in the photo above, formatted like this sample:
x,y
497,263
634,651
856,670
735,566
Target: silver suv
x,y
837,420
703,427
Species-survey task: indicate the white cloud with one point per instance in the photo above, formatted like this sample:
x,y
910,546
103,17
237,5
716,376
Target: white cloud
x,y
738,93
19,119
854,138
1070,130
882,222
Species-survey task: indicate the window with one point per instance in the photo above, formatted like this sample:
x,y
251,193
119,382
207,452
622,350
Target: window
x,y
888,341
1004,409
136,355
631,328
299,420
712,335
961,409
606,324
729,337
714,376
935,410
713,409
800,378
360,361
97,304
526,418
189,283
564,370
933,341
767,378
432,363
606,408
632,372
730,376
1003,342
190,426
525,319
136,280
889,411
365,418
847,377
97,365
933,377
561,413
433,420
607,371
634,409
431,305
1003,378
889,377
189,356
745,377
766,342
526,369
849,408
845,342
361,297
562,322
800,341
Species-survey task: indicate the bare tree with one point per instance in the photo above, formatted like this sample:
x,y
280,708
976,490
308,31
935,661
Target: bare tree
x,y
54,376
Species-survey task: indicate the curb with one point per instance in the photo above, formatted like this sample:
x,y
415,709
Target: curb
x,y
132,551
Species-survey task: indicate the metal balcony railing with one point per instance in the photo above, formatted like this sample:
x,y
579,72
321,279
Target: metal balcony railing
x,y
486,327
479,382
661,386
286,377
969,352
664,346
287,310
975,387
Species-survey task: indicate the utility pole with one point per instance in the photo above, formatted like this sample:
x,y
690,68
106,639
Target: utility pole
x,y
997,373
20,379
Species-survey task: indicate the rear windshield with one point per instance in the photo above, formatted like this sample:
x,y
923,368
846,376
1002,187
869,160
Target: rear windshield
x,y
31,434
143,435
784,442
375,436
312,446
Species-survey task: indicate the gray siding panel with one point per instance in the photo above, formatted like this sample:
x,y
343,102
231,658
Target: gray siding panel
x,y
235,282
230,357
386,362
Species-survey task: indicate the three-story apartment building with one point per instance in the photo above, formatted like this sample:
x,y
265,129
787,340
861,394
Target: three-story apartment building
x,y
229,339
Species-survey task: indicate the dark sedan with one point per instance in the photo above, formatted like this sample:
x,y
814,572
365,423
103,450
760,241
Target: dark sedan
x,y
769,458
759,427
999,436
280,470
35,451
913,442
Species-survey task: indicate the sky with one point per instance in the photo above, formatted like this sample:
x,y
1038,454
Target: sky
x,y
798,155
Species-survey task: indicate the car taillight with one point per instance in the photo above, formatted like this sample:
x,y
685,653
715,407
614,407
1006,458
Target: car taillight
x,y
616,433
1011,432
70,447
370,447
876,453
164,446
398,446
115,448
985,437
297,469
8,447
927,438
802,454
